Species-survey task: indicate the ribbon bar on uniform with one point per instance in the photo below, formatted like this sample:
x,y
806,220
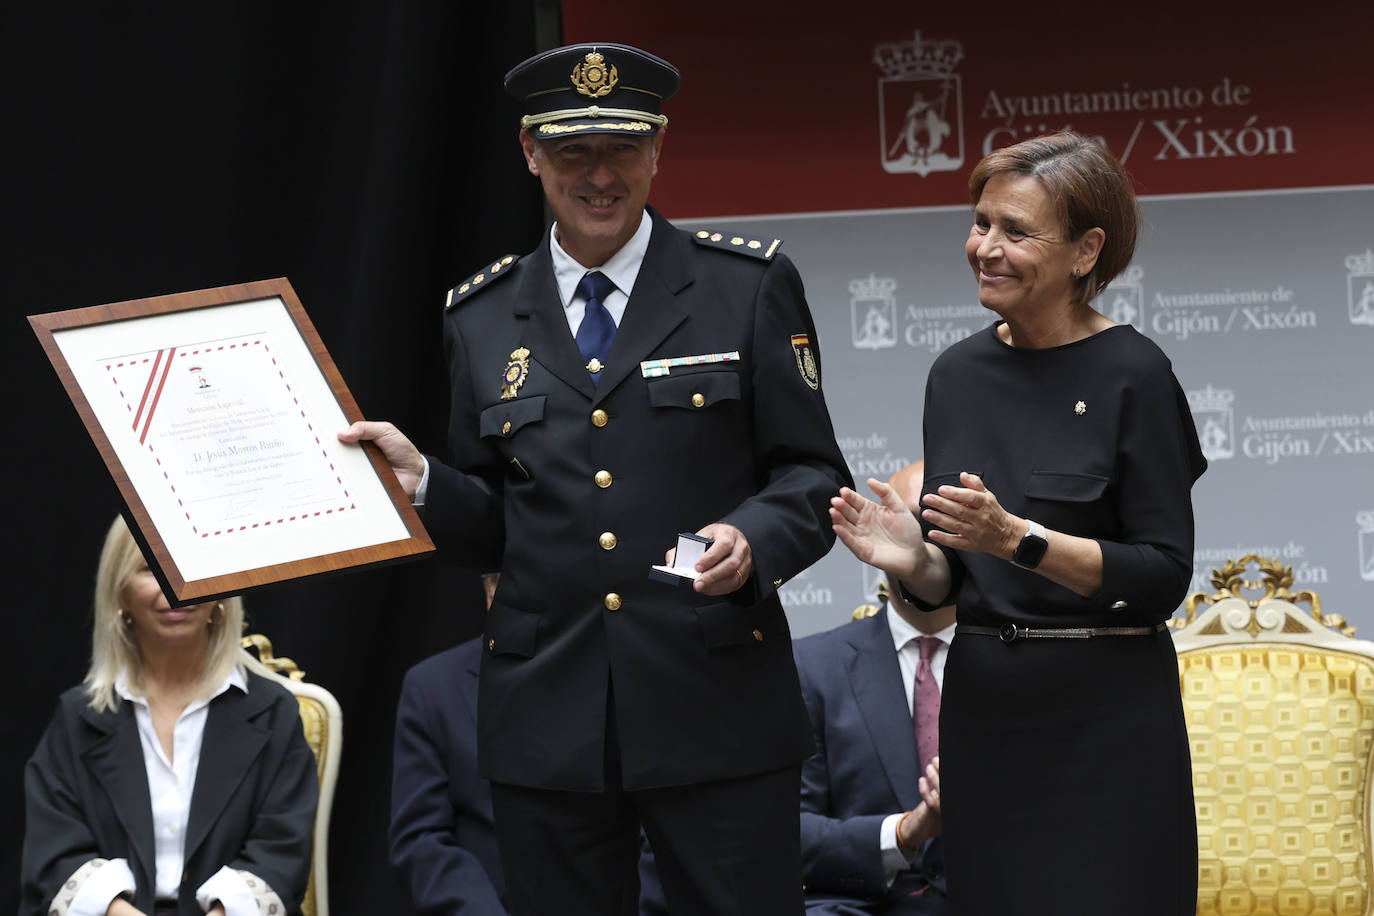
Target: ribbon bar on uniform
x,y
653,368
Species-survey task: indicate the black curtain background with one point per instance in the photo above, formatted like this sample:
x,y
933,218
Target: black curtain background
x,y
361,148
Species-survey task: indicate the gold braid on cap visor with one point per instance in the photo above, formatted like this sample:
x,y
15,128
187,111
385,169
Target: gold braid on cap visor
x,y
647,121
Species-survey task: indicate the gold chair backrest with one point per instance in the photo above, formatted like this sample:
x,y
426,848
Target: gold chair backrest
x,y
1280,711
322,722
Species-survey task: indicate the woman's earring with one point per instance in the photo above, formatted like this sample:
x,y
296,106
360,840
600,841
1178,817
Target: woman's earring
x,y
1076,274
216,615
126,618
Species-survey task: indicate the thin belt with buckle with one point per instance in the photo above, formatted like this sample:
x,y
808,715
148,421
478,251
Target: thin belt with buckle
x,y
1010,632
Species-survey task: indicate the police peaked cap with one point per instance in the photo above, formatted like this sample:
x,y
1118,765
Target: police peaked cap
x,y
592,88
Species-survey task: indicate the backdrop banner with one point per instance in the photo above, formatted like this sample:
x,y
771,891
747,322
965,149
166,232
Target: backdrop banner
x,y
851,137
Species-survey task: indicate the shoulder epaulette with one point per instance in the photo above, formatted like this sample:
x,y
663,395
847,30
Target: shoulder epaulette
x,y
480,280
753,246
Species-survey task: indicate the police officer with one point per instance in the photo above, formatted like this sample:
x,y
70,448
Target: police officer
x,y
625,382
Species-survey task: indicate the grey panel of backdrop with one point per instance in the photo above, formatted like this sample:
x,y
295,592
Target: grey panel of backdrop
x,y
1264,302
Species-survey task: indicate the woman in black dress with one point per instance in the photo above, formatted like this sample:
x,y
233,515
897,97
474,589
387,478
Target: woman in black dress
x,y
1059,456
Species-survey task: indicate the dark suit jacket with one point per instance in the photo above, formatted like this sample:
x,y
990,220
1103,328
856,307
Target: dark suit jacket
x,y
705,688
443,839
253,806
865,769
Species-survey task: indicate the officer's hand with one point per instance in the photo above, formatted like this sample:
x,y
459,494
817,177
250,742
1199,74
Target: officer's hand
x,y
405,459
727,563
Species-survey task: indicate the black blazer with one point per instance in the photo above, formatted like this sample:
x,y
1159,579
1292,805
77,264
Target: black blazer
x,y
705,688
252,808
443,835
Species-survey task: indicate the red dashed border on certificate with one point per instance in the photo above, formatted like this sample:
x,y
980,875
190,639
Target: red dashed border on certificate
x,y
147,395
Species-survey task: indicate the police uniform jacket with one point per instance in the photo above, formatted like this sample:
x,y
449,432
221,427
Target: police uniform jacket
x,y
577,490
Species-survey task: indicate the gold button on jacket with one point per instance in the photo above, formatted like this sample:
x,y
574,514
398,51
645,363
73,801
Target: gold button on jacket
x,y
612,601
607,540
698,400
603,479
599,417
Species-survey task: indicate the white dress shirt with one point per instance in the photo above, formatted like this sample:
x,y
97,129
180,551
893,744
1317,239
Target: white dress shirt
x,y
621,268
904,637
170,786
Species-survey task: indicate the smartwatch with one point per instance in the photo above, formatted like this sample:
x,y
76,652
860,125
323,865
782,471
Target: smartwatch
x,y
1031,550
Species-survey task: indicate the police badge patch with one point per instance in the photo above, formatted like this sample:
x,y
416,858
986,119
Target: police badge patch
x,y
516,370
806,362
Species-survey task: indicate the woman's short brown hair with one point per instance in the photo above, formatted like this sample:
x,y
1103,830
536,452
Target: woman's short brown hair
x,y
1089,188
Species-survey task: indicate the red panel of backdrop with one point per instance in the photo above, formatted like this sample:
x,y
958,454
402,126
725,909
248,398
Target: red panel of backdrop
x,y
815,107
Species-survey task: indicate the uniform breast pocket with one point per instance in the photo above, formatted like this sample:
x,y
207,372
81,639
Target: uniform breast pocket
x,y
507,418
695,390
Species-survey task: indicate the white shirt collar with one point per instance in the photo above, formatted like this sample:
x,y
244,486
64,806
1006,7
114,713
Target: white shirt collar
x,y
903,632
622,267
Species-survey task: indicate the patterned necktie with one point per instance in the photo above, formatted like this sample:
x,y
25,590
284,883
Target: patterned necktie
x,y
925,705
597,329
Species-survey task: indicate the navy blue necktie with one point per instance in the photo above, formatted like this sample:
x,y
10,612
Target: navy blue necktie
x,y
597,329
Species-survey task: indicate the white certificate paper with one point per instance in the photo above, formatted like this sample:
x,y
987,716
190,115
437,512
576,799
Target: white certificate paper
x,y
225,426
236,447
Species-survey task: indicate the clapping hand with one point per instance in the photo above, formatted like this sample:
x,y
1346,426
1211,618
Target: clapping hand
x,y
883,534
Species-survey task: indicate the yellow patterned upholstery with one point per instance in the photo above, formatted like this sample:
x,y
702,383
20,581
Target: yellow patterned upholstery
x,y
1280,711
322,721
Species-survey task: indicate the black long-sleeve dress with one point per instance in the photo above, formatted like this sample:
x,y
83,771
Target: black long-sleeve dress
x,y
1064,762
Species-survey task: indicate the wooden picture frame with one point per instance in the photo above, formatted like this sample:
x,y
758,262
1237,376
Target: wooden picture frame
x,y
216,413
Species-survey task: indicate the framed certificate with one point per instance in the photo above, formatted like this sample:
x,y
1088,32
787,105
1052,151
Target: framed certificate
x,y
216,413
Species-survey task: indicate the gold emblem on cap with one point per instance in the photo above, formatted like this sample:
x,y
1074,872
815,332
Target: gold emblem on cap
x,y
516,370
593,77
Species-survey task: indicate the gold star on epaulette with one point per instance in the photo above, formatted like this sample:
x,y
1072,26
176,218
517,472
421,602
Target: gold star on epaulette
x,y
754,246
480,280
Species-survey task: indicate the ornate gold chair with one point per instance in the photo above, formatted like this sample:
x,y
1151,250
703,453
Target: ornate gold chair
x,y
322,720
1280,709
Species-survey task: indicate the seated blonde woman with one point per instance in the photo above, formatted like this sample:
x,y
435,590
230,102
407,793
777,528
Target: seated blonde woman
x,y
175,779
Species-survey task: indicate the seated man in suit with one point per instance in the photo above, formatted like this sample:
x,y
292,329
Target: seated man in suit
x,y
443,838
870,794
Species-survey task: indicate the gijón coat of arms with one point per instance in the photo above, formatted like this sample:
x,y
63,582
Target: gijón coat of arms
x,y
920,105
